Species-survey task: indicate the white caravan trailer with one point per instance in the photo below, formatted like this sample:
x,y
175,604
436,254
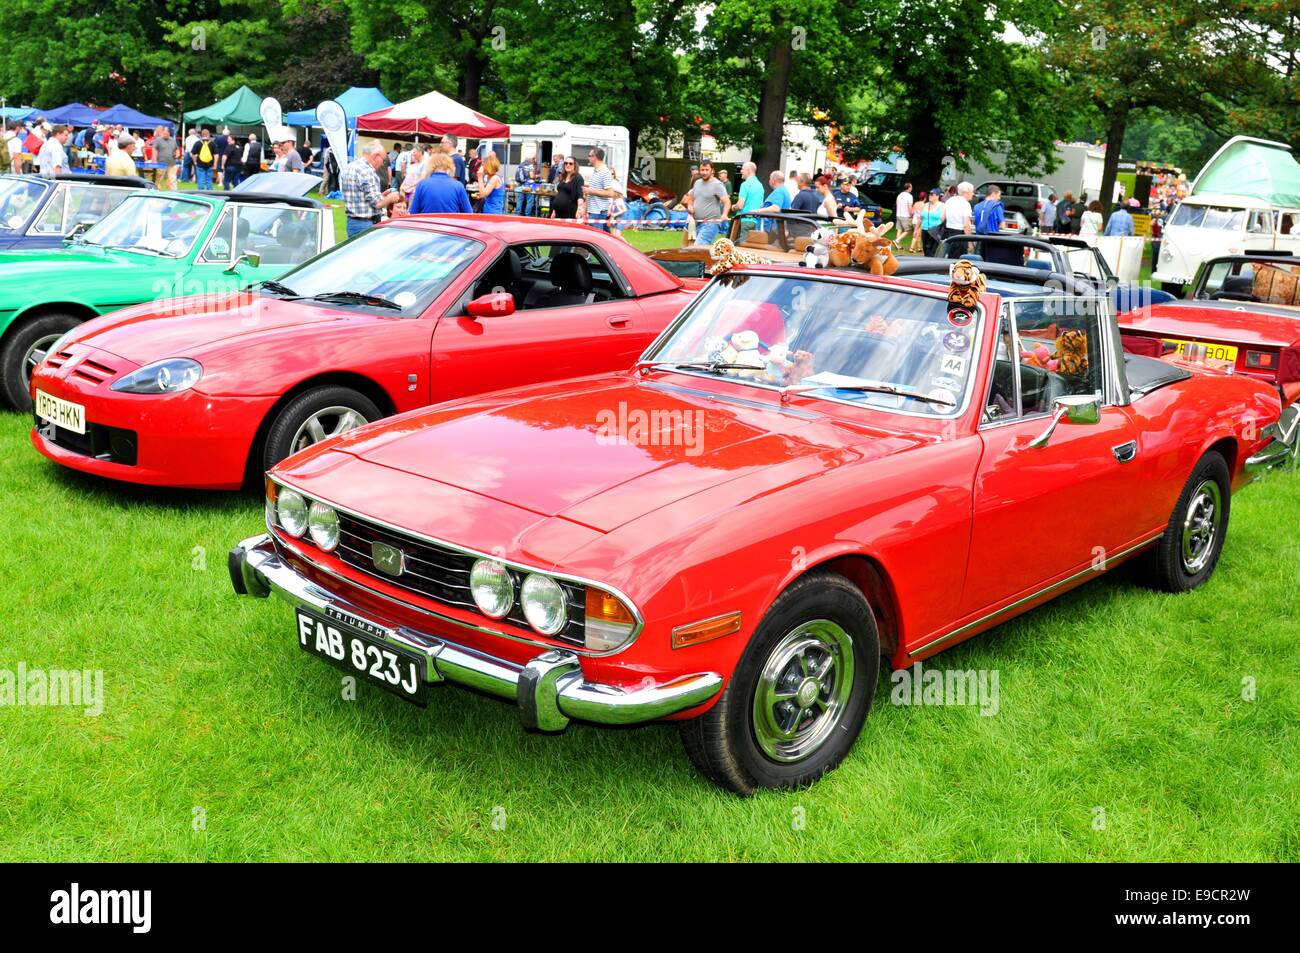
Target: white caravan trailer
x,y
556,137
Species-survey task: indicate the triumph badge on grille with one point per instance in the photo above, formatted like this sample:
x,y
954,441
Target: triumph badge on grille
x,y
387,559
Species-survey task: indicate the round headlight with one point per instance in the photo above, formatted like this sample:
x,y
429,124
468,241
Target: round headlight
x,y
492,588
544,604
324,525
291,511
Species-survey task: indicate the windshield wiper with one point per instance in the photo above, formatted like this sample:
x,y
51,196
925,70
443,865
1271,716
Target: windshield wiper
x,y
867,388
143,250
713,367
277,288
356,297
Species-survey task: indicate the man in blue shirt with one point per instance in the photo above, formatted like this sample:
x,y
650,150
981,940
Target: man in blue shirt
x,y
527,175
449,143
1121,222
989,214
806,199
438,191
778,200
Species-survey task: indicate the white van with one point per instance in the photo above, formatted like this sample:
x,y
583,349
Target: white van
x,y
556,137
1246,199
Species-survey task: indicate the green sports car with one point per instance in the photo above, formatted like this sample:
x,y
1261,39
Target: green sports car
x,y
154,245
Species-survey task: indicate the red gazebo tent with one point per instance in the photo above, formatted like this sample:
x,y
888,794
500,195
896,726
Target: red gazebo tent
x,y
432,114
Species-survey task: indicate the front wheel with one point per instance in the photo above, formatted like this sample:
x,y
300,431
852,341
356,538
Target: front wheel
x,y
313,416
799,696
24,350
1190,547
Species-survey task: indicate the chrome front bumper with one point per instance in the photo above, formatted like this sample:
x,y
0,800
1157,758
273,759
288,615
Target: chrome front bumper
x,y
1283,449
549,689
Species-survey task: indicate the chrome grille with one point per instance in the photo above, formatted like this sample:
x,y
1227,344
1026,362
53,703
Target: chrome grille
x,y
442,573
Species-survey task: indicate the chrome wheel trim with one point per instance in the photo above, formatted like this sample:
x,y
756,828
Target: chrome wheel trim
x,y
36,355
1201,526
803,690
325,423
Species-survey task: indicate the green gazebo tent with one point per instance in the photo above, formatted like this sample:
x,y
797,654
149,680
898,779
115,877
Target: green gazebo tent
x,y
240,108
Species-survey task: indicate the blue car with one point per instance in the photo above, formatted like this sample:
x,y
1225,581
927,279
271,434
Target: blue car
x,y
38,212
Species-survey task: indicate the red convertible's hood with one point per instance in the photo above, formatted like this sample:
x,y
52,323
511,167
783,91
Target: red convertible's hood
x,y
607,451
1216,321
189,327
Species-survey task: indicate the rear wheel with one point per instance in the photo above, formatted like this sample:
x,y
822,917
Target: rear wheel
x,y
25,348
656,216
1190,547
313,416
800,694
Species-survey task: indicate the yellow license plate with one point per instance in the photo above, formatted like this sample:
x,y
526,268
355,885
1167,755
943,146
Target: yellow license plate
x,y
1213,352
62,413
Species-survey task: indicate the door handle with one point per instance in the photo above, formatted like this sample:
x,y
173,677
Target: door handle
x,y
1125,451
619,322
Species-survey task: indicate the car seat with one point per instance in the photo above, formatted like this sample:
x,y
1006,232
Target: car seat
x,y
570,284
504,276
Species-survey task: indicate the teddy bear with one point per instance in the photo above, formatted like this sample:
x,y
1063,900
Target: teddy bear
x,y
966,284
1072,353
745,344
784,368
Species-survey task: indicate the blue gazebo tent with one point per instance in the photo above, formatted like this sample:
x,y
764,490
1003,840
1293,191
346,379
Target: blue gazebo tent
x,y
73,114
19,113
131,118
357,101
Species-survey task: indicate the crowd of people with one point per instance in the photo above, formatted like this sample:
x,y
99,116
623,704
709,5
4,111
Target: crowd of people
x,y
416,178
207,159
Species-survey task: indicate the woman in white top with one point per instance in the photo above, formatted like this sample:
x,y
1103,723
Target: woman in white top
x,y
828,207
1090,222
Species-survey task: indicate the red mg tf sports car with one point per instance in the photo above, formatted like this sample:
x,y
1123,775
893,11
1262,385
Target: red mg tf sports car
x,y
206,391
734,531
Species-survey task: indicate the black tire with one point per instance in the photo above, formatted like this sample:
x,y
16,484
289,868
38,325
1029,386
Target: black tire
x,y
656,216
1185,557
724,743
283,436
23,339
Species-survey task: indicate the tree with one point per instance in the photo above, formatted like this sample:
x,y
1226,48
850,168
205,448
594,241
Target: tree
x,y
321,61
1122,59
419,45
763,63
597,61
951,80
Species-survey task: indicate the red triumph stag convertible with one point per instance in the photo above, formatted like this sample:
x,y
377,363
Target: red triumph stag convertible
x,y
809,469
206,391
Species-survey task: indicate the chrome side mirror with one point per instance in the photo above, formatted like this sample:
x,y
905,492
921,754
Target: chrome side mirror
x,y
1073,408
77,231
250,258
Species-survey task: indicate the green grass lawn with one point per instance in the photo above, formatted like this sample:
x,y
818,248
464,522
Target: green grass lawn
x,y
1122,732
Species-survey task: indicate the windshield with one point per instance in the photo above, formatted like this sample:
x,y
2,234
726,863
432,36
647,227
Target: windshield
x,y
1209,216
152,225
18,198
830,339
406,266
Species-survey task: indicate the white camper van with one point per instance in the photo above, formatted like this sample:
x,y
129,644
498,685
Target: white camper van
x,y
1246,199
556,137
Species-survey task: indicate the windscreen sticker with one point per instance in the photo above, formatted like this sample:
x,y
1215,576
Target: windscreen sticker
x,y
956,341
953,365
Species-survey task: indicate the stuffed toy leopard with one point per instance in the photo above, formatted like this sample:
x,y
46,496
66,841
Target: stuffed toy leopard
x,y
727,256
